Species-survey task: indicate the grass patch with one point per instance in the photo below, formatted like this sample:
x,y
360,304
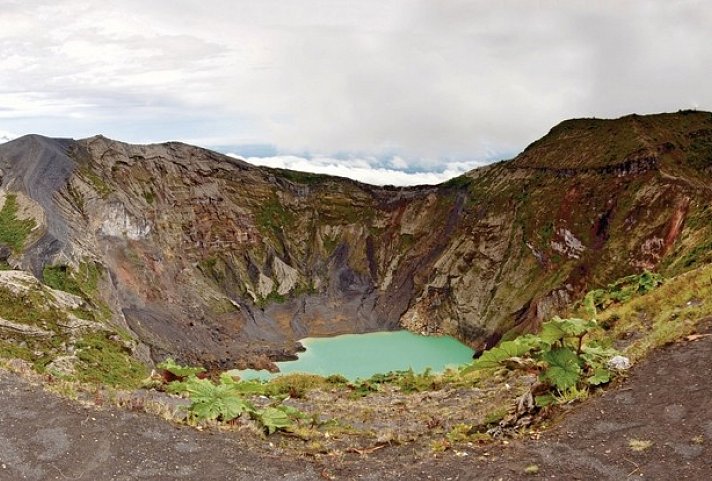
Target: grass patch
x,y
639,445
9,350
308,178
698,255
272,297
14,231
29,308
409,381
621,291
662,315
293,385
96,182
60,277
330,244
106,361
496,416
149,196
273,217
459,182
84,282
406,242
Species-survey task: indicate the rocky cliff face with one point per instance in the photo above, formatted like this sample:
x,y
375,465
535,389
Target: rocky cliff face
x,y
216,261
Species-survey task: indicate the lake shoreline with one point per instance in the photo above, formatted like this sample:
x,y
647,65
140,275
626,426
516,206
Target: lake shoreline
x,y
362,355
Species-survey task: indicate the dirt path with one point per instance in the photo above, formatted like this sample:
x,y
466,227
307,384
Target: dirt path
x,y
667,400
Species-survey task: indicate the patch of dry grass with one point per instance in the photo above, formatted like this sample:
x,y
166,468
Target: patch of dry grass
x,y
664,315
639,445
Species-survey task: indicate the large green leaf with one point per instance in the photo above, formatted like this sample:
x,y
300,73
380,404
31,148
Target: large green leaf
x,y
545,400
596,355
564,370
251,387
212,402
557,329
600,376
178,387
177,370
273,419
647,281
187,385
292,412
497,355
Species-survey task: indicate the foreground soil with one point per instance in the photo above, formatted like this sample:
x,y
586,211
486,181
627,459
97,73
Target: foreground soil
x,y
666,402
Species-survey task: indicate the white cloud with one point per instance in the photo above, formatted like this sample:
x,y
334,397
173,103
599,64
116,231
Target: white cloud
x,y
429,81
363,170
6,136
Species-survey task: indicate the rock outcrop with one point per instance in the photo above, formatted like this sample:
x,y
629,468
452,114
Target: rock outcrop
x,y
216,261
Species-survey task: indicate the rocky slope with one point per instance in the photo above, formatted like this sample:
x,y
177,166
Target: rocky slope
x,y
219,262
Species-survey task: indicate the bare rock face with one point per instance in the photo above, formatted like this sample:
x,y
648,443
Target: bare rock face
x,y
218,262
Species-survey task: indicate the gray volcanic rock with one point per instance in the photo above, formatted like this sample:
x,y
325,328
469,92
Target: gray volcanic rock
x,y
39,167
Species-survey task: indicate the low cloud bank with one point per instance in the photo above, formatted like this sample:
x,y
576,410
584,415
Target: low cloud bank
x,y
365,170
6,136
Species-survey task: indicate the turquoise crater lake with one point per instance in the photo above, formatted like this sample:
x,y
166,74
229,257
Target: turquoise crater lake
x,y
357,356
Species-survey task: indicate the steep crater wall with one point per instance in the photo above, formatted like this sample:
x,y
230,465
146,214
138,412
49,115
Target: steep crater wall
x,y
218,262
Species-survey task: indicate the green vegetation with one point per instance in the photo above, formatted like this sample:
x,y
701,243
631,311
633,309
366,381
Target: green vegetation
x,y
98,183
660,316
459,182
495,416
345,211
560,355
76,197
699,255
546,232
84,282
13,231
621,290
223,401
330,244
177,371
273,217
9,350
106,361
406,242
275,297
272,297
293,385
102,357
29,308
700,153
210,401
59,277
570,355
308,178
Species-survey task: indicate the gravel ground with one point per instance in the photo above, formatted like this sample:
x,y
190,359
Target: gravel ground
x,y
666,403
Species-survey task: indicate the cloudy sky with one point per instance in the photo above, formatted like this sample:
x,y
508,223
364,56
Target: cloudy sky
x,y
386,91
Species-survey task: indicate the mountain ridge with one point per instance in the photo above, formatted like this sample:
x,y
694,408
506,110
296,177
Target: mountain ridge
x,y
219,262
